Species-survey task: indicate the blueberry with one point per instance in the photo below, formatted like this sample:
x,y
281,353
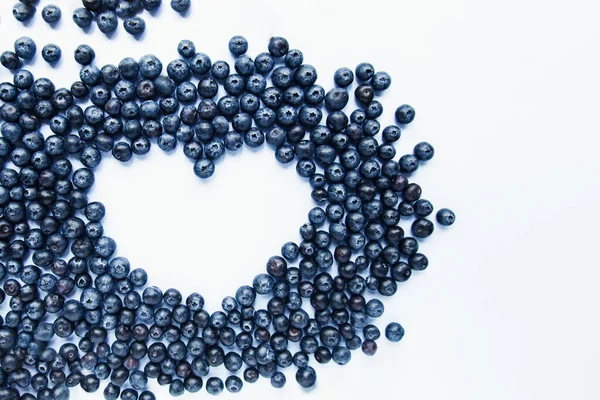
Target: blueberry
x,y
107,21
364,71
278,46
178,70
405,114
423,207
23,11
10,60
204,168
391,134
278,380
186,48
305,75
82,17
25,48
306,377
394,332
233,384
369,347
51,53
176,388
214,386
424,151
150,66
341,355
264,63
201,64
134,25
180,6
84,54
445,217
150,5
244,65
343,77
51,14
336,99
409,163
381,81
422,228
238,45
364,93
282,77
294,58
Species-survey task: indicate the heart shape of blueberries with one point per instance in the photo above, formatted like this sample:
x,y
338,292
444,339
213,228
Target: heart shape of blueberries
x,y
352,244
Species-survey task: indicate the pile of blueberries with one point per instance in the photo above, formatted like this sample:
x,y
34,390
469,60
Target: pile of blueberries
x,y
106,13
79,315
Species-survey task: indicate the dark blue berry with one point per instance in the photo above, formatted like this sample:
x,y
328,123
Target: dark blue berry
x,y
278,46
343,77
364,71
180,6
51,14
10,60
424,151
306,377
51,53
394,332
445,217
381,81
134,25
238,45
405,114
204,168
23,11
25,48
107,21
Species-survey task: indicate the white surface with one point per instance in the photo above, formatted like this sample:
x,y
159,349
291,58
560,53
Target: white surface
x,y
508,95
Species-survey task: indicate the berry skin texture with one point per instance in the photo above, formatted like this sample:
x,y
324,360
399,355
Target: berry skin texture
x,y
134,25
82,17
84,54
422,228
23,12
204,168
364,71
180,6
186,49
306,377
405,114
238,45
25,48
343,77
445,217
278,46
107,22
51,53
381,81
424,151
10,60
51,14
394,332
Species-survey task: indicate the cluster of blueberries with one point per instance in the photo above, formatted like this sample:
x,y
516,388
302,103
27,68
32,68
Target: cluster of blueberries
x,y
25,10
63,282
25,49
106,13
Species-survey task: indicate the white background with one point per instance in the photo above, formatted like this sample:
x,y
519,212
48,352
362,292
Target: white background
x,y
507,92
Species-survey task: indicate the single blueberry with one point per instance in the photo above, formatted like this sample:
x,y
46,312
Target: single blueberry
x,y
180,6
51,14
25,47
51,53
445,217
